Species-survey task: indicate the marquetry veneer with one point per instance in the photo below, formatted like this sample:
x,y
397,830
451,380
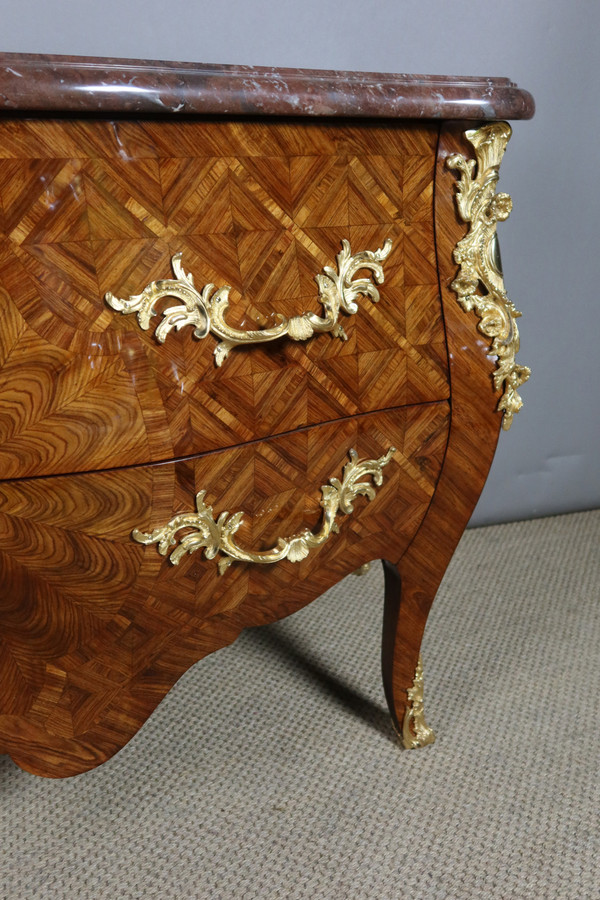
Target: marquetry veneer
x,y
104,430
94,206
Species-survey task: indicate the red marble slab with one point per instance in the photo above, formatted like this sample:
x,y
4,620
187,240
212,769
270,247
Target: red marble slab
x,y
145,87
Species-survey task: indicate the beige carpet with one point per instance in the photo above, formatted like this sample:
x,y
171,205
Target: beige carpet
x,y
271,770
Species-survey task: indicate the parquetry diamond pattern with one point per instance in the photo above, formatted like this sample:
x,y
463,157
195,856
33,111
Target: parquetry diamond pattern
x,y
88,208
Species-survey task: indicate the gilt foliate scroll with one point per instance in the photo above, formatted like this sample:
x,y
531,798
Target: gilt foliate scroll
x,y
479,284
415,730
205,309
188,532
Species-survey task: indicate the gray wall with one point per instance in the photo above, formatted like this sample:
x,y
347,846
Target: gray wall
x,y
549,461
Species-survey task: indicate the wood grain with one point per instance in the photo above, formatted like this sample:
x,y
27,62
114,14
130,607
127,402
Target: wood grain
x,y
413,579
96,628
103,430
92,206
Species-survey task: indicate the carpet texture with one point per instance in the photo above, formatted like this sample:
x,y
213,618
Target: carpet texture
x,y
271,770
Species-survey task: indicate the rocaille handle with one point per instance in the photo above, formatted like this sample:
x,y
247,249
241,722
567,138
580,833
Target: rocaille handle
x,y
218,536
205,309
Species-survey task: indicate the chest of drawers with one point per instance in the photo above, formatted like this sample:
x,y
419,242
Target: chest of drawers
x,y
245,336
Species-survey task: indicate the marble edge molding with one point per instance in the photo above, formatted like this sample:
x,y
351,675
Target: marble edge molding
x,y
71,84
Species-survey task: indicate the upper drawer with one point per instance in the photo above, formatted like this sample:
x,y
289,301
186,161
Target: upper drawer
x,y
91,206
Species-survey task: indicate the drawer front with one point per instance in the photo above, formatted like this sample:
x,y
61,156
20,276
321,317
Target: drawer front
x,y
91,207
95,627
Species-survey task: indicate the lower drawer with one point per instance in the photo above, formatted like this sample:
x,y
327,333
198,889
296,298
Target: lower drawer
x,y
95,627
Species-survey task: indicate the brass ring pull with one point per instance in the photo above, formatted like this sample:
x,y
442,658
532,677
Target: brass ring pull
x,y
205,309
218,536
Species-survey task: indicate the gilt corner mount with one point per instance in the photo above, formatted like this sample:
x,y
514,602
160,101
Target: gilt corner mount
x,y
477,255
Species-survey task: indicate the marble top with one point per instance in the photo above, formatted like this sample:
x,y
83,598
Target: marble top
x,y
147,87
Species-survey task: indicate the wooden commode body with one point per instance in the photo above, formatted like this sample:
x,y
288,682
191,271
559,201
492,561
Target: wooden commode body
x,y
341,393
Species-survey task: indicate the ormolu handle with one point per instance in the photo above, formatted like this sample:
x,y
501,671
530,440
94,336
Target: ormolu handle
x,y
217,536
206,309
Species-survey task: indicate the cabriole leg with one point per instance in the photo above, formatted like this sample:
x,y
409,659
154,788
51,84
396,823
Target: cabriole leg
x,y
405,614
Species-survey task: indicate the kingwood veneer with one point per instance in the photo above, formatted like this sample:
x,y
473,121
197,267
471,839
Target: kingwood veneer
x,y
106,432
